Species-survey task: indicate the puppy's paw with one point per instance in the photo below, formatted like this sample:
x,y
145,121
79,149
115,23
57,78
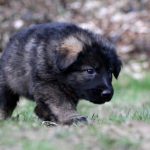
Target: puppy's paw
x,y
49,124
3,115
78,120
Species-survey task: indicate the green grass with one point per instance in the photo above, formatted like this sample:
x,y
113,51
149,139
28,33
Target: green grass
x,y
122,124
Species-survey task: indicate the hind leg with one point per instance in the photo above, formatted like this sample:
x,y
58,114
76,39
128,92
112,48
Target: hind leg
x,y
8,102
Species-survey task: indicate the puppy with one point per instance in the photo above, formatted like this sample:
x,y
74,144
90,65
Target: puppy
x,y
57,65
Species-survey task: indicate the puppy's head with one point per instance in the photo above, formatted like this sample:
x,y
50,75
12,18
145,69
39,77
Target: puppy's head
x,y
87,63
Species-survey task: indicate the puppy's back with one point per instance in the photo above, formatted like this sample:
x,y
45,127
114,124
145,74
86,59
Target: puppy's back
x,y
26,54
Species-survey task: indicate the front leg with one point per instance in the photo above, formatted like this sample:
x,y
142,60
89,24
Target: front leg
x,y
54,104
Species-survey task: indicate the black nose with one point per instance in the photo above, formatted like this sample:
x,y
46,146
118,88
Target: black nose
x,y
107,94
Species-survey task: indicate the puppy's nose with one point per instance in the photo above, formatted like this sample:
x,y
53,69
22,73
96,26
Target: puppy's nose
x,y
106,94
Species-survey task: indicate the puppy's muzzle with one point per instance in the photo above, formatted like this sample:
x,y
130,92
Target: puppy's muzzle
x,y
107,94
99,95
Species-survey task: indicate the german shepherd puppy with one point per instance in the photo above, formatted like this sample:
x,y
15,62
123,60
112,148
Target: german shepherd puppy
x,y
57,64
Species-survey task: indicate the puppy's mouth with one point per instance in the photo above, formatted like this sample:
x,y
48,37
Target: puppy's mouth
x,y
98,95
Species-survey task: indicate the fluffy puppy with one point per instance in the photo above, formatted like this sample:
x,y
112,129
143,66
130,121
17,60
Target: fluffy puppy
x,y
56,65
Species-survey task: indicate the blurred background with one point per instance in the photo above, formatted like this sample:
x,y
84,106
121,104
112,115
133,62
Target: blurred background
x,y
125,22
123,123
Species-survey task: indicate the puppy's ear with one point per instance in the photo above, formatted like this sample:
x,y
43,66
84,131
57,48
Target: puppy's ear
x,y
117,68
69,51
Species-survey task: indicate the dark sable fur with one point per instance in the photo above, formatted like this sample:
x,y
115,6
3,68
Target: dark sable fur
x,y
48,63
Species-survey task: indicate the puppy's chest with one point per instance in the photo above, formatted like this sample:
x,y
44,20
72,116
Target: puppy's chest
x,y
69,92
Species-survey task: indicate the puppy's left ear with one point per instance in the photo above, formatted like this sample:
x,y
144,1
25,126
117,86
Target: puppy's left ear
x,y
68,52
117,68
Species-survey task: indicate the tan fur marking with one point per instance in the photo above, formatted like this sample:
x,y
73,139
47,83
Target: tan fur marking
x,y
73,45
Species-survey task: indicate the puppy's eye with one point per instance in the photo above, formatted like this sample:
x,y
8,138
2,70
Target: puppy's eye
x,y
90,71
